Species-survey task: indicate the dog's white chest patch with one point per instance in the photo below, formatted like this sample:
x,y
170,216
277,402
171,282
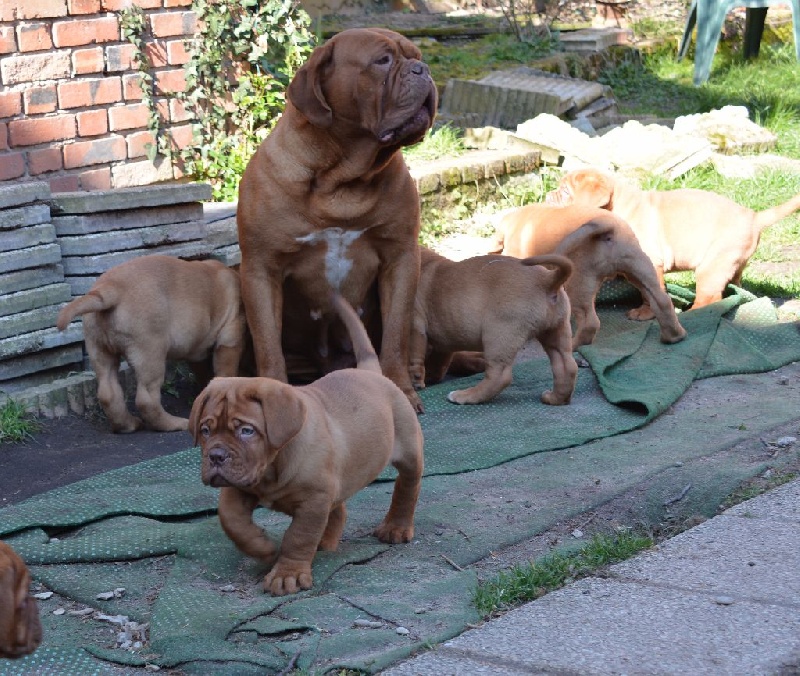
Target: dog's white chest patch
x,y
338,240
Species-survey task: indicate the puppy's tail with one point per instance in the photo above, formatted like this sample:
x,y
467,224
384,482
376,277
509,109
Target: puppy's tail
x,y
362,347
94,301
597,229
563,268
770,216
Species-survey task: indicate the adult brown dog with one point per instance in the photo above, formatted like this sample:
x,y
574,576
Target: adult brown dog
x,y
683,229
601,246
493,304
20,628
151,309
327,201
304,451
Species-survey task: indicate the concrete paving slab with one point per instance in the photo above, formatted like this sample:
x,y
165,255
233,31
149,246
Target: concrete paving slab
x,y
781,503
129,198
15,194
85,224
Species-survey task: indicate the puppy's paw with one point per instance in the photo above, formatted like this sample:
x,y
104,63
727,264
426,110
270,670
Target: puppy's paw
x,y
458,397
394,533
416,402
641,314
551,399
288,579
130,424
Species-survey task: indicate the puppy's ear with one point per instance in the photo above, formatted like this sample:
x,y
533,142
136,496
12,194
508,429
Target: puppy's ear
x,y
305,89
597,187
194,417
284,412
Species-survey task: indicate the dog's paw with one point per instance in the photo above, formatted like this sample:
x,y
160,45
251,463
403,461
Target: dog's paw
x,y
457,397
288,579
641,314
394,533
551,399
416,402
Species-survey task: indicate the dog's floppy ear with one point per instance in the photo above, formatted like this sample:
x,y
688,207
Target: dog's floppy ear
x,y
305,89
284,412
194,417
594,189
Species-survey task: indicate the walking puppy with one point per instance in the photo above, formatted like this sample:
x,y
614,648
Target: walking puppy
x,y
304,451
20,628
601,246
493,304
151,309
682,229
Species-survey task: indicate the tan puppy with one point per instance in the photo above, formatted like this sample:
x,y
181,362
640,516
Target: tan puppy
x,y
601,246
304,451
682,229
493,304
151,309
20,629
327,201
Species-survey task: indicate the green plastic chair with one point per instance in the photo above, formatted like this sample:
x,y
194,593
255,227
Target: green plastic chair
x,y
709,15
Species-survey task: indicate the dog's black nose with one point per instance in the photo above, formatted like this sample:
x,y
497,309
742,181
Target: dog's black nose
x,y
217,456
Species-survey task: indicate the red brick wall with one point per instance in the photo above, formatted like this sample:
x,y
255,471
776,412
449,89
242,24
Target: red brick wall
x,y
70,100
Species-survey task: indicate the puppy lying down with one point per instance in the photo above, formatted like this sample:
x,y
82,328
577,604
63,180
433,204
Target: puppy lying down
x,y
304,451
492,304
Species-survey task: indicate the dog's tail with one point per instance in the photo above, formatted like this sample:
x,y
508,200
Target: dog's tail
x,y
94,301
598,228
770,216
362,347
563,268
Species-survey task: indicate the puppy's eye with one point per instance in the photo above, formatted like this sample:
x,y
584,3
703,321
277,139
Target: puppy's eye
x,y
384,60
246,431
205,430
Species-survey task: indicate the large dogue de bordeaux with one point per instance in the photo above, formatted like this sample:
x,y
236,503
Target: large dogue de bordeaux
x,y
601,246
20,628
685,229
327,202
493,304
303,451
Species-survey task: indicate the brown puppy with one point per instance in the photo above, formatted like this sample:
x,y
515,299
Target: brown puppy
x,y
493,304
327,201
20,629
601,246
682,229
304,451
151,309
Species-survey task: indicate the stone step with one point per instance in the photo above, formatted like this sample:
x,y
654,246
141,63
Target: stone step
x,y
33,214
85,224
587,40
16,194
30,320
136,238
32,257
45,339
129,198
31,278
41,296
28,236
40,361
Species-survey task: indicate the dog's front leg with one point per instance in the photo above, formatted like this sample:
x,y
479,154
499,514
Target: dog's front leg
x,y
417,348
262,293
292,570
235,511
397,286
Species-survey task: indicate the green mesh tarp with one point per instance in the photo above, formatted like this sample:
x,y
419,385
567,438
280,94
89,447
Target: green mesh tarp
x,y
494,476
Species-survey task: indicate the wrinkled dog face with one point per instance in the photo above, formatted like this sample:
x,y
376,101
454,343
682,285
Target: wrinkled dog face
x,y
373,79
241,424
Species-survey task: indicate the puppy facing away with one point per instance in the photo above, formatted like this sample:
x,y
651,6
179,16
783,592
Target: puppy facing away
x,y
304,451
601,246
492,304
20,628
685,229
151,309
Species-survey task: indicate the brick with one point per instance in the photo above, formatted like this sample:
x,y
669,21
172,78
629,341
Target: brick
x,y
132,87
7,11
12,165
173,110
98,151
89,92
177,3
65,184
10,104
116,5
8,41
92,122
83,7
133,116
119,58
40,100
173,23
177,52
52,65
138,143
34,37
170,81
44,160
41,130
79,32
156,53
182,136
3,136
96,179
86,61
41,9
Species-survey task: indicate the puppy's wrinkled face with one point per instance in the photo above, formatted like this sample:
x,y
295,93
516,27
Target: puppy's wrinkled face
x,y
373,79
241,424
20,627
